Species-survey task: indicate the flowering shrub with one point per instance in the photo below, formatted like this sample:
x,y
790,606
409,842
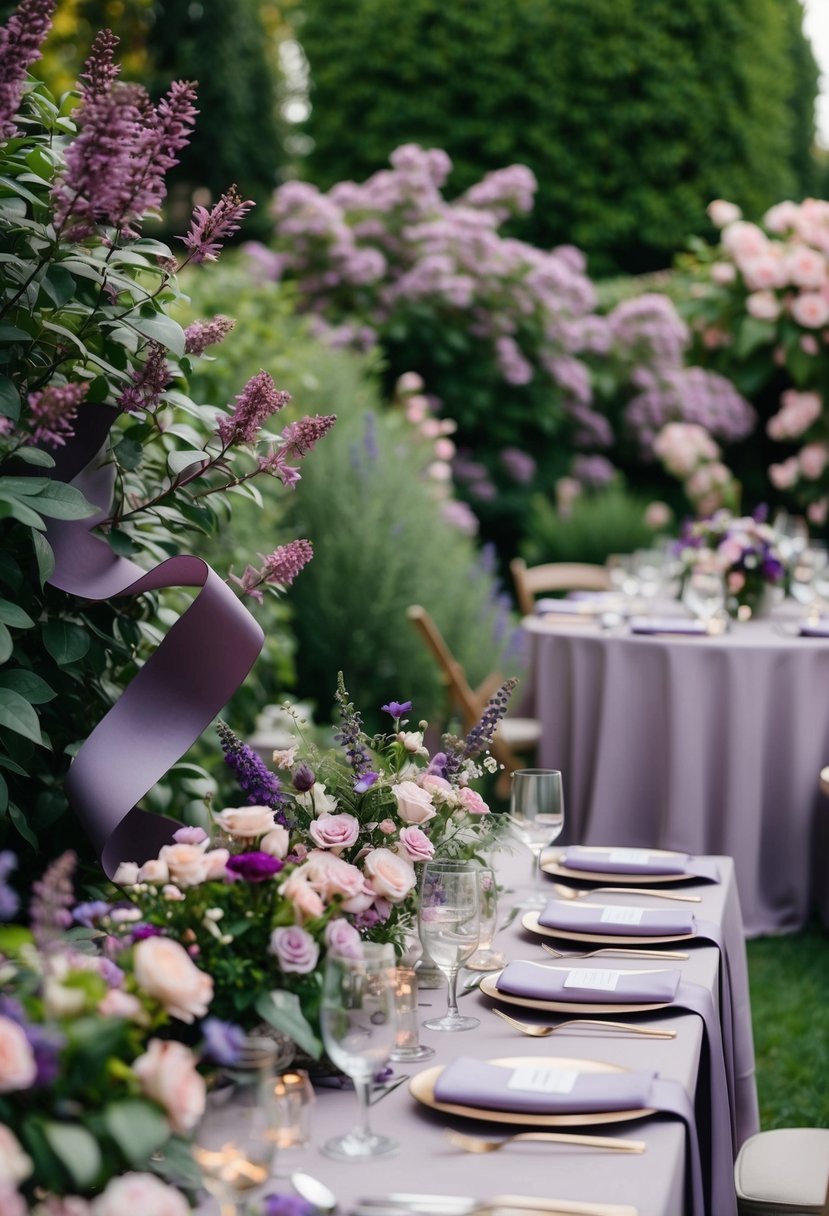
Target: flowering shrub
x,y
89,349
758,303
689,453
323,857
88,1092
744,549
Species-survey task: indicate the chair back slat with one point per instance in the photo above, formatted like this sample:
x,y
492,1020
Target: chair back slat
x,y
531,581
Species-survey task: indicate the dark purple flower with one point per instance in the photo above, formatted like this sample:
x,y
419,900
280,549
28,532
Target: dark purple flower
x,y
366,782
760,513
259,785
9,902
773,569
87,914
397,708
139,932
254,866
287,1205
110,972
222,1041
46,1045
438,764
303,777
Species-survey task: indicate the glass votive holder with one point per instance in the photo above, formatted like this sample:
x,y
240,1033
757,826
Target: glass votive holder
x,y
407,1045
291,1098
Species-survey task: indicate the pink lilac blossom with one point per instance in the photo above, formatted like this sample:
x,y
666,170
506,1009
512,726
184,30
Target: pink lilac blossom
x,y
258,401
148,381
688,395
201,334
301,437
208,229
594,471
20,41
165,131
53,411
519,464
100,71
279,568
649,326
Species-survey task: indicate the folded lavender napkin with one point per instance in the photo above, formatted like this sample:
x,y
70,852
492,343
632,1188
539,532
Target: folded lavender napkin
x,y
815,629
545,607
615,920
623,861
587,985
533,1089
668,624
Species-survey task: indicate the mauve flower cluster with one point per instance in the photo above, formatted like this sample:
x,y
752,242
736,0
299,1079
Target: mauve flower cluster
x,y
20,42
52,413
689,395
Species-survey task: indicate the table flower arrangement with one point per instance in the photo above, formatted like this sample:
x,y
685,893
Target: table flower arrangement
x,y
744,549
324,856
90,1091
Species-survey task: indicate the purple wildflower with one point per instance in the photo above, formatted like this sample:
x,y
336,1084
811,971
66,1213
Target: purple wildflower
x,y
287,1205
209,228
223,1041
20,42
53,410
87,914
350,734
139,932
259,785
254,866
303,778
46,1044
397,708
201,334
300,437
110,973
257,402
481,734
148,381
284,564
274,463
165,132
100,70
366,782
52,899
9,901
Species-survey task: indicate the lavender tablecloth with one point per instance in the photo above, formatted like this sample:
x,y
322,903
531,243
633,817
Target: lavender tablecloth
x,y
654,1182
706,745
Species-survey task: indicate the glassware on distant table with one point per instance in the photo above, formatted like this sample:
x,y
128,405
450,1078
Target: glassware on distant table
x,y
407,1045
357,1019
793,533
449,922
233,1144
291,1098
537,818
704,593
485,958
807,575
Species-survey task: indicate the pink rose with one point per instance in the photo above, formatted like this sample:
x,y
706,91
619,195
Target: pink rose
x,y
11,1202
813,460
306,901
415,845
277,842
334,831
438,787
472,802
15,1165
186,863
140,1193
723,273
216,862
784,475
246,822
744,240
414,804
362,900
764,305
167,1072
189,835
657,515
120,1004
763,271
810,309
387,827
295,949
342,938
807,267
330,875
17,1062
817,511
721,212
165,971
389,874
154,871
173,893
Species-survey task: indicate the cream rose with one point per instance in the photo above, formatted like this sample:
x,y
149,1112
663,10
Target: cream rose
x,y
154,871
142,1194
438,787
15,1165
216,862
316,800
277,842
307,902
187,864
246,822
127,874
389,874
167,1072
165,971
414,804
17,1062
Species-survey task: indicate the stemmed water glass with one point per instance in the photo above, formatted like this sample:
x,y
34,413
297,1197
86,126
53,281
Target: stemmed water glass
x,y
358,1027
485,958
449,920
537,817
704,593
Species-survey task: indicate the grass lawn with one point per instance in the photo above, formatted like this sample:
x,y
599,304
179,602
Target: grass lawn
x,y
789,982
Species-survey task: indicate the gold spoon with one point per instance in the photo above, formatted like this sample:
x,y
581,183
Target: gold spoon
x,y
571,893
541,1032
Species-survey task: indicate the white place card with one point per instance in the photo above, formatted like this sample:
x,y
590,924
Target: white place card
x,y
588,977
622,916
543,1080
633,857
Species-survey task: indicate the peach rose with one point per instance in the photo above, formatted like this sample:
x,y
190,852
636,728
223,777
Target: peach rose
x,y
332,876
277,842
17,1062
472,802
246,822
389,874
120,1004
15,1165
140,1193
307,902
216,862
167,1072
154,871
165,971
414,804
186,864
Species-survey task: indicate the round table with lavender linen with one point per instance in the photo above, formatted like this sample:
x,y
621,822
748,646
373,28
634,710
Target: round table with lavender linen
x,y
710,744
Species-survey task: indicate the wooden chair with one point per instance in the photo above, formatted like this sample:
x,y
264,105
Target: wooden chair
x,y
784,1172
531,581
513,734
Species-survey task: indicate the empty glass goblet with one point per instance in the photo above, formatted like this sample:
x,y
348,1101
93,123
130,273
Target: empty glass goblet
x,y
704,593
537,817
485,958
449,924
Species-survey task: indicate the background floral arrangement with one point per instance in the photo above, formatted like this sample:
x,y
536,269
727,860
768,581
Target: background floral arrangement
x,y
744,549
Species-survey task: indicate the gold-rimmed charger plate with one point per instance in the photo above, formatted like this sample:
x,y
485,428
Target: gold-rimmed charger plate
x,y
422,1088
530,921
488,987
551,864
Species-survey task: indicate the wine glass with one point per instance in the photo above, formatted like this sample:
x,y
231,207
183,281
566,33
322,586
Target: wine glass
x,y
357,1018
233,1144
449,923
806,572
485,958
704,593
537,817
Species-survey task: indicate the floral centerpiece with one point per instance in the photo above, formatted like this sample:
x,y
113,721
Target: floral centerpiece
x,y
91,1088
325,855
745,550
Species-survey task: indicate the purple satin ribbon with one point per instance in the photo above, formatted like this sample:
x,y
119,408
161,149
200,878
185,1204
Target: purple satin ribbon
x,y
179,690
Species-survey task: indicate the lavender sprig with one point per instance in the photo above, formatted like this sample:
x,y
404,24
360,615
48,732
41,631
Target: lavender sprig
x,y
260,786
481,735
52,899
350,734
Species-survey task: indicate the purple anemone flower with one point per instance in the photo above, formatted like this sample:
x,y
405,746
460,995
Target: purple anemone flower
x,y
366,782
397,708
255,866
222,1041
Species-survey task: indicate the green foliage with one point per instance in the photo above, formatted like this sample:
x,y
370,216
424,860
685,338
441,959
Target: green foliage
x,y
633,117
609,521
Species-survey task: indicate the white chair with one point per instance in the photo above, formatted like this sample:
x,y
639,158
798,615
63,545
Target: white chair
x,y
784,1173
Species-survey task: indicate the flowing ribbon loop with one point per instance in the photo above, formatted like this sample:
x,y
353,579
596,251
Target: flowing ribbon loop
x,y
195,670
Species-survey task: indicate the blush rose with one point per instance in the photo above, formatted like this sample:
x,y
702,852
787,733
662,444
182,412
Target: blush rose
x,y
414,804
167,1073
165,971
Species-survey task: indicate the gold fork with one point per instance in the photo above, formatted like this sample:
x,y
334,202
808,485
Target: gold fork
x,y
572,893
541,1032
616,951
479,1144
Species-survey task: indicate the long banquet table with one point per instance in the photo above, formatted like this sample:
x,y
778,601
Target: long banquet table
x,y
702,744
654,1182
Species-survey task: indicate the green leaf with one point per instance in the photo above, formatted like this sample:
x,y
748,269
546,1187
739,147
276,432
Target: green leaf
x,y
17,715
129,454
753,333
76,1149
11,614
65,641
9,399
57,500
44,556
283,1011
6,644
138,1128
4,794
11,183
10,333
28,684
121,543
58,285
177,462
35,456
10,506
22,825
12,766
12,938
159,328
